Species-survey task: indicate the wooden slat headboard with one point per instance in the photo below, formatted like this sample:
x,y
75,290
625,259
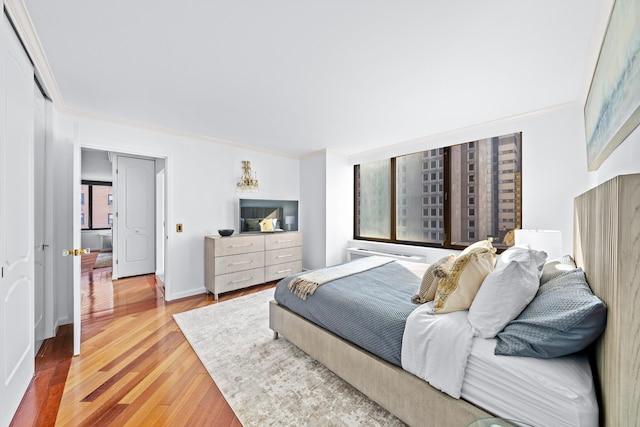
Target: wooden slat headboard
x,y
607,247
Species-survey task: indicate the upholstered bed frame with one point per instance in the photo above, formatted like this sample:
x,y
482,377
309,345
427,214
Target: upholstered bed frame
x,y
606,246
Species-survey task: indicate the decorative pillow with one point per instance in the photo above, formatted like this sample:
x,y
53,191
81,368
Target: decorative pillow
x,y
557,267
266,224
456,291
563,318
436,271
486,244
506,291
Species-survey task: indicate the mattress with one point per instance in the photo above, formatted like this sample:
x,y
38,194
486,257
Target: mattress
x,y
539,392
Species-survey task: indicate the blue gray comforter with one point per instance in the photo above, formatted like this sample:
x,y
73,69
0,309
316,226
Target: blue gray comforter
x,y
369,309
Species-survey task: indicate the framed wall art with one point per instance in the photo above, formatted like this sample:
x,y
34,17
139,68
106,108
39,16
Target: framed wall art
x,y
612,110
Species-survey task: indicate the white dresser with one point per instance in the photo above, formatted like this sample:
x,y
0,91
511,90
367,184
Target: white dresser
x,y
244,260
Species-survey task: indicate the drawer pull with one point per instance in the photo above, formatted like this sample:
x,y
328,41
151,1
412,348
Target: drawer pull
x,y
241,246
285,256
284,241
241,280
285,271
240,263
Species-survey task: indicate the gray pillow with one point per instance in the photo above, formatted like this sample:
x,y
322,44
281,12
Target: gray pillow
x,y
557,267
563,318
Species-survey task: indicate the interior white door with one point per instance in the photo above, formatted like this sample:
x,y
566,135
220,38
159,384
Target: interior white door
x,y
40,244
77,237
160,224
135,216
16,223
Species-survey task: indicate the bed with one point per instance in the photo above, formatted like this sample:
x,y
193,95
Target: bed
x,y
598,214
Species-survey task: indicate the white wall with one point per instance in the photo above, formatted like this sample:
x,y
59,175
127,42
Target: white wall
x,y
624,160
313,209
554,163
201,177
96,166
327,208
339,207
201,181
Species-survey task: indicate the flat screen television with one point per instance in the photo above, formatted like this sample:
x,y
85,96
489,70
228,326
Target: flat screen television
x,y
283,212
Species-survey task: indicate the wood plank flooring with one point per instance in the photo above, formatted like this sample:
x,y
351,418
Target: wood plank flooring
x,y
135,367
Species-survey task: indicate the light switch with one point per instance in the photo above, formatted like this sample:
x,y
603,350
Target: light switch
x,y
178,228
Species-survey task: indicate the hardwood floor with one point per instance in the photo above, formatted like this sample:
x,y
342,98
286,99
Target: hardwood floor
x,y
135,367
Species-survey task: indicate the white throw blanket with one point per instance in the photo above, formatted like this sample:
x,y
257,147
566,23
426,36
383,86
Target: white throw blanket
x,y
435,347
307,284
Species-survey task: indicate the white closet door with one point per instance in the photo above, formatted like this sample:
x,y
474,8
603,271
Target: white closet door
x,y
40,242
16,223
135,219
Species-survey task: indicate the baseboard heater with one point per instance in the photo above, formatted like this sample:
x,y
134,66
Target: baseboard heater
x,y
355,253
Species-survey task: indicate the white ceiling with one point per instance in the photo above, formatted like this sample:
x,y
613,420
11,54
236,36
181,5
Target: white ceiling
x,y
297,76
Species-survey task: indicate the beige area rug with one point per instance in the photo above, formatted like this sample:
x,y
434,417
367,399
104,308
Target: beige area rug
x,y
271,382
105,259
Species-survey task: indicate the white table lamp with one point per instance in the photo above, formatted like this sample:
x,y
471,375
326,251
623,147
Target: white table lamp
x,y
289,220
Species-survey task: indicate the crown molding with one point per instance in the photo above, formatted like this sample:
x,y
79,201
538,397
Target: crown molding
x,y
21,19
170,131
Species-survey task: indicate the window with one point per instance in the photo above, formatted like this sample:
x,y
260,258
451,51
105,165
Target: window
x,y
373,210
434,209
84,208
97,205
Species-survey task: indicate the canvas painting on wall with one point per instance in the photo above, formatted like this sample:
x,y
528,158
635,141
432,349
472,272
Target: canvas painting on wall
x,y
612,110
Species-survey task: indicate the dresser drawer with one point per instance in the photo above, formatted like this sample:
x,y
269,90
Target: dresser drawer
x,y
275,272
233,263
239,245
238,280
279,256
283,240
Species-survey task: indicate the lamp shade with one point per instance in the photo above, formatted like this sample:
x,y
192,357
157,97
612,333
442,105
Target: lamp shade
x,y
549,241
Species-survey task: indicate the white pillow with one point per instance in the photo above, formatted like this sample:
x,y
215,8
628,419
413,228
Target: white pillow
x,y
506,291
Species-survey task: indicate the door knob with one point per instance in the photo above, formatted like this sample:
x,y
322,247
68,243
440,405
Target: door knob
x,y
76,252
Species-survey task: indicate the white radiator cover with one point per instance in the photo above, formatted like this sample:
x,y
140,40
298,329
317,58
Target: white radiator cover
x,y
355,253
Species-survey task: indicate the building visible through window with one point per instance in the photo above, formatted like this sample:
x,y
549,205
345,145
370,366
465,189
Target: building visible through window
x,y
484,197
96,205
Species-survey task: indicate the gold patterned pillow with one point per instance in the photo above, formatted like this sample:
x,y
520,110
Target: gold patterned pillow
x,y
457,290
487,244
436,271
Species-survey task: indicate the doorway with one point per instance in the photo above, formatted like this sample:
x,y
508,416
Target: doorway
x,y
90,161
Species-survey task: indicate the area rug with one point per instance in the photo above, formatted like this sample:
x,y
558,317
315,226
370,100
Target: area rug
x,y
105,259
270,381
